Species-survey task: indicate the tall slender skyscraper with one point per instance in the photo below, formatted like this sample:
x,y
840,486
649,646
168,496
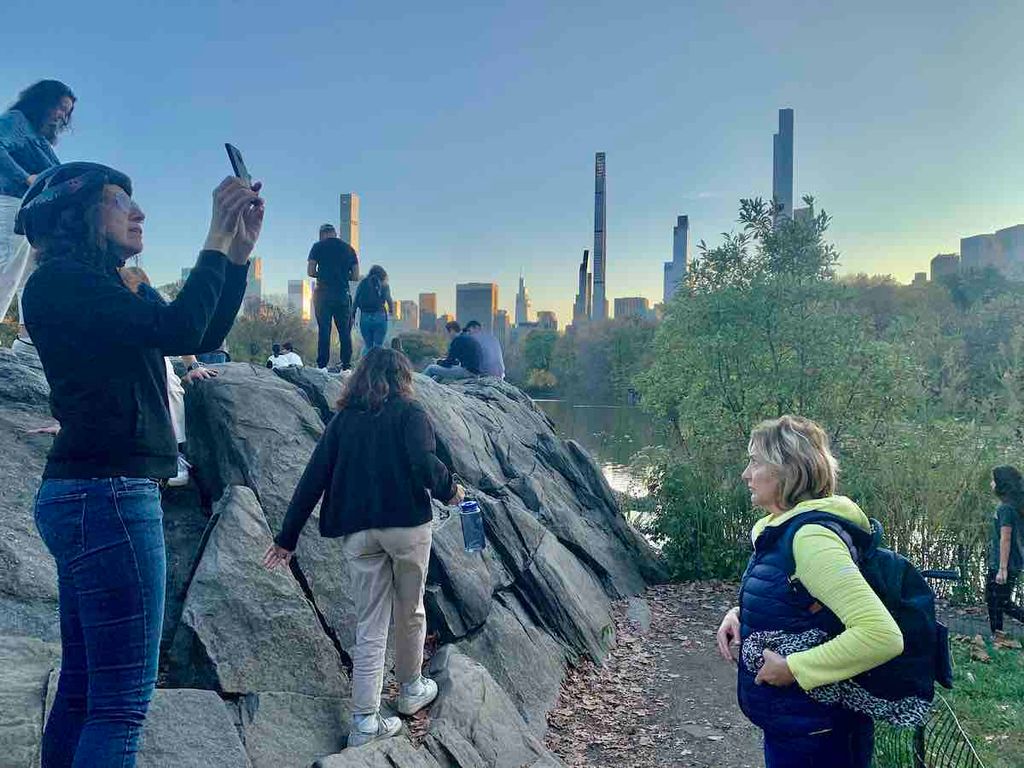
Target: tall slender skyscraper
x,y
522,303
581,308
349,230
675,270
599,310
782,168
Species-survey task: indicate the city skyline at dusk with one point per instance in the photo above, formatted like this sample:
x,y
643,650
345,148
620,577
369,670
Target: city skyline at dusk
x,y
469,135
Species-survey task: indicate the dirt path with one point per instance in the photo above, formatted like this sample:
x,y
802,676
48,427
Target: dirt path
x,y
664,697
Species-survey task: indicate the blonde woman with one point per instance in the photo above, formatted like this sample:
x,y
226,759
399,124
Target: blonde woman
x,y
802,582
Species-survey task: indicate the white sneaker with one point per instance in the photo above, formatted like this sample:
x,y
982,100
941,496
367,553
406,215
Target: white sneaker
x,y
416,695
368,728
181,478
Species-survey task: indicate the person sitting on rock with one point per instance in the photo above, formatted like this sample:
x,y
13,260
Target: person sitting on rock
x,y
492,361
376,468
463,360
98,511
284,356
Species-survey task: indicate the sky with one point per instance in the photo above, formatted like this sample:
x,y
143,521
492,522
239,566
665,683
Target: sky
x,y
469,130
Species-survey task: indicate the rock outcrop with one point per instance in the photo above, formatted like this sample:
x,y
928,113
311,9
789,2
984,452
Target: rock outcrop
x,y
258,662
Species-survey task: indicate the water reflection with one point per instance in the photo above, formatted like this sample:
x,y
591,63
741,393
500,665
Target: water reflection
x,y
611,434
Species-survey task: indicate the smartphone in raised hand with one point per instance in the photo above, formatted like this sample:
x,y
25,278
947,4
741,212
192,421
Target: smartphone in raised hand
x,y
238,164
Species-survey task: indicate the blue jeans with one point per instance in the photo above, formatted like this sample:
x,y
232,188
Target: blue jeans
x,y
849,744
107,537
374,327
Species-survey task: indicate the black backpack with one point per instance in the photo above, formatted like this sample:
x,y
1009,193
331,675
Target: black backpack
x,y
906,594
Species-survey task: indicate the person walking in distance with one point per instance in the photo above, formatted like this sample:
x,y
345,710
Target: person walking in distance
x,y
375,305
334,264
375,469
98,507
29,131
1005,556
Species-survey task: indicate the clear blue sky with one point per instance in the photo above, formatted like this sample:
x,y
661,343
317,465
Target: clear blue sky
x,y
470,132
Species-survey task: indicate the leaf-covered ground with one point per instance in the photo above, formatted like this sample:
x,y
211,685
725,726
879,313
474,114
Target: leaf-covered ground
x,y
664,697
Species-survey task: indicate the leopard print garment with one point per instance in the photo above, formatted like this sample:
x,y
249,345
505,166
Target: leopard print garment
x,y
907,712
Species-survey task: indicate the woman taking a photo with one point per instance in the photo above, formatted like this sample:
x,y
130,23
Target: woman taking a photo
x,y
98,508
792,472
1004,553
374,302
376,469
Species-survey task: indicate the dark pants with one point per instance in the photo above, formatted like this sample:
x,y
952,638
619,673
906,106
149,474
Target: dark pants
x,y
337,309
848,745
374,327
999,598
108,540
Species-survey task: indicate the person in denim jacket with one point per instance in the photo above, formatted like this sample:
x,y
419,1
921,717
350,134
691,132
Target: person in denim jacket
x,y
28,132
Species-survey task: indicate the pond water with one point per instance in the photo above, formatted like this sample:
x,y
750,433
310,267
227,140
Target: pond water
x,y
611,434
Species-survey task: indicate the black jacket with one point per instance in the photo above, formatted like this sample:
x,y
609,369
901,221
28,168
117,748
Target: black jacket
x,y
102,349
374,296
463,350
374,470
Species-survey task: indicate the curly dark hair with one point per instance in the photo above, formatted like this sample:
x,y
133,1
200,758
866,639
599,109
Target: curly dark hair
x,y
77,234
381,374
1009,486
36,101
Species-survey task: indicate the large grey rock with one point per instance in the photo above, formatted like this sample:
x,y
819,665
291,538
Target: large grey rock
x,y
186,523
190,729
25,666
521,657
321,388
28,575
396,752
250,427
290,730
244,629
473,723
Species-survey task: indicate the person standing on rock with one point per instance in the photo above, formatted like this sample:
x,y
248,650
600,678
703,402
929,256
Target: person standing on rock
x,y
375,305
334,264
792,473
29,131
98,508
376,468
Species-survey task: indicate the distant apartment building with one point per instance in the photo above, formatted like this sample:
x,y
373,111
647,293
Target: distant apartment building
x,y
428,312
253,289
476,301
349,229
407,314
633,306
920,278
502,327
547,320
944,265
300,299
1003,250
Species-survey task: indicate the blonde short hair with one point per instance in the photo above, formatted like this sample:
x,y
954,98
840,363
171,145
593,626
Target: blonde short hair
x,y
798,450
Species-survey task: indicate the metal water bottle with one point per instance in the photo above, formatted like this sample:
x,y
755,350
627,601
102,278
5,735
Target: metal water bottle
x,y
472,526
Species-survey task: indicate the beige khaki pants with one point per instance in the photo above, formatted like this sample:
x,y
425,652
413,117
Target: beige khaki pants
x,y
388,569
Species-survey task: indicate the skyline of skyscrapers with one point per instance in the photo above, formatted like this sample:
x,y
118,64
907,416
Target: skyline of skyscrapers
x,y
599,308
782,164
676,270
